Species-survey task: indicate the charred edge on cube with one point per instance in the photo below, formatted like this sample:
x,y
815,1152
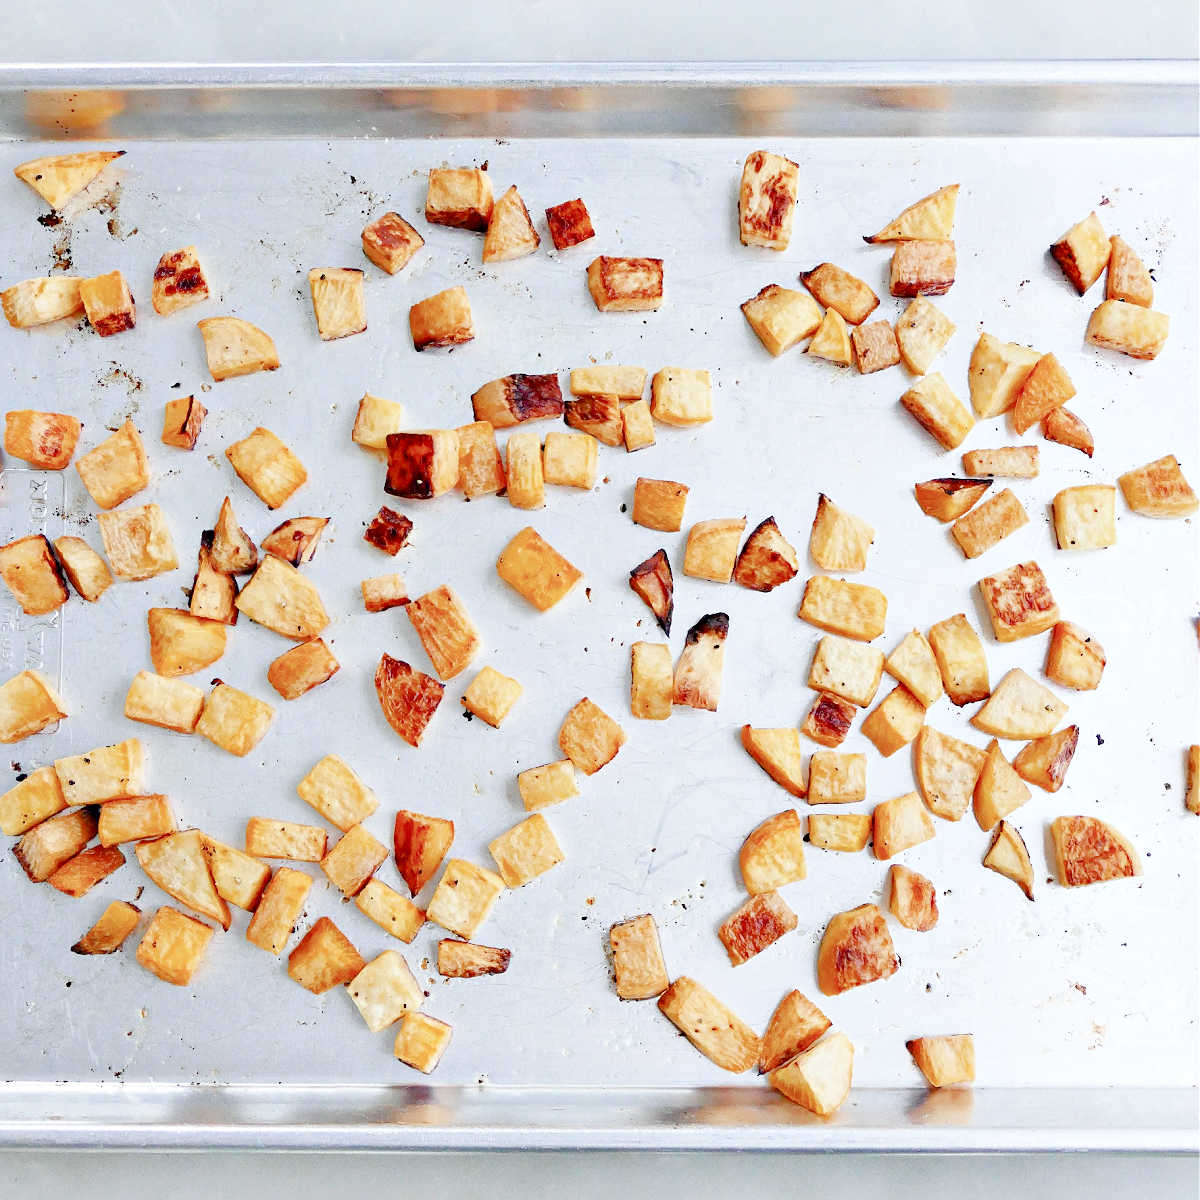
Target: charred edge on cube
x,y
653,581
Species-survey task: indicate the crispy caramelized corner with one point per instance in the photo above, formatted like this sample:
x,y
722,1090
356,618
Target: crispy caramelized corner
x,y
766,560
296,540
828,720
108,303
178,281
948,498
767,200
388,531
569,224
698,672
626,284
598,415
422,465
653,581
407,697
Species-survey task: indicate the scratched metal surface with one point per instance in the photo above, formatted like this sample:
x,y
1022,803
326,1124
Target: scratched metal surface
x,y
1095,987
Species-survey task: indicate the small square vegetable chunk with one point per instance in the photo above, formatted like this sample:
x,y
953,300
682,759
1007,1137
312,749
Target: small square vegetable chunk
x,y
938,410
626,284
1046,387
421,1041
719,1034
944,1060
913,664
267,838
45,440
167,703
31,572
836,778
302,668
390,241
1083,252
756,924
134,818
854,610
1074,658
652,681
767,199
922,268
856,949
1159,489
1020,708
105,773
238,877
354,858
337,793
40,301
818,1079
234,720
570,459
1019,602
839,541
569,224
116,923
1085,518
77,876
641,973
54,841
921,332
388,531
533,568
781,317
266,466
180,643
549,784
523,469
480,467
773,853
278,910
108,303
895,721
829,719
234,347
443,319
339,303
138,542
777,751
382,592
527,850
491,696
659,504
384,990
446,630
1018,462
875,347
178,281
1128,278
421,842
182,420
407,697
460,197
116,469
900,824
960,659
607,379
392,912
841,291
681,396
374,420
173,946
599,416
847,833
37,797
1128,328
464,897
323,958
179,865
996,374
637,426
712,548
847,669
989,523
912,899
589,737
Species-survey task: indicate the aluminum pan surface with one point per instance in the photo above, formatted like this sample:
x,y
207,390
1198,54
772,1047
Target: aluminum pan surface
x,y
1074,990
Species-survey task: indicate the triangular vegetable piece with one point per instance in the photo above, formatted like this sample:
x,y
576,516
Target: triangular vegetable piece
x,y
777,751
232,550
235,347
766,560
1008,856
1086,850
1020,708
932,217
1128,278
178,864
510,232
832,339
999,789
947,770
1045,760
58,177
1064,427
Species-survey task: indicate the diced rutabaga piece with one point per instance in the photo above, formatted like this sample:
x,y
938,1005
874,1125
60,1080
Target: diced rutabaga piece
x,y
407,697
173,946
854,610
421,842
841,291
599,416
302,668
1128,278
855,949
167,703
767,200
390,241
913,664
922,268
659,504
58,177
681,396
234,720
961,660
108,303
353,859
1159,489
510,232
516,398
999,790
846,833
637,426
818,1079
1020,462
1087,850
30,802
392,912
450,637
491,696
525,851
52,842
900,824
28,704
549,784
712,548
757,924
948,498
460,197
388,531
1083,252
847,669
32,574
947,770
385,990
795,1024
1019,602
1085,518
267,838
875,347
931,217
240,878
1074,658
116,469
912,899
1192,785
894,721
921,333
134,819
181,643
464,897
235,347
45,440
654,582
374,419
938,410
1064,427
266,466
296,539
77,876
829,720
337,793
323,958
1020,708
589,737
773,854
534,569
277,911
468,960
709,1025
279,597
443,319
178,864
781,317
232,550
778,752
698,672
1008,856
421,1041
652,681
480,467
105,773
116,923
832,340
997,373
338,300
569,224
570,459
1046,387
626,284
836,778
944,1060
604,379
40,301
182,421
641,973
839,540
178,281
1045,760
422,465
989,523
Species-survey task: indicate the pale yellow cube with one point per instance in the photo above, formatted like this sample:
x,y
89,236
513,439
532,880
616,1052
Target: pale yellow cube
x,y
681,396
491,696
464,897
421,1041
549,784
234,720
527,850
384,990
570,459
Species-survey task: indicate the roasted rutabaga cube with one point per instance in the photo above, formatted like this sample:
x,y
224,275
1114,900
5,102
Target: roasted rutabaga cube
x,y
267,838
491,696
29,703
523,471
178,864
1083,252
829,719
323,958
875,347
389,241
999,790
1087,850
232,550
996,374
767,199
408,698
116,923
855,949
30,802
1008,855
777,751
989,523
900,824
421,842
31,572
421,1041
1064,427
1020,462
279,597
1128,278
374,419
1085,518
235,347
58,177
847,669
1020,708
836,778
781,317
757,924
353,859
116,469
422,465
1046,387
1074,658
135,818
384,990
894,721
654,582
266,466
108,303
443,319
181,643
659,504
1159,489
104,773
931,217
510,232
652,682
938,410
605,379
234,720
388,531
831,341
549,784
773,854
569,224
182,421
527,850
40,301
638,967
841,291
637,426
450,637
338,300
480,467
847,833
468,960
626,284
921,333
178,281
720,1035
278,910
854,610
913,664
392,912
960,659
1045,760
922,268
334,789
213,594
1019,602
516,398
45,440
712,548
589,737
570,459
700,666
795,1024
599,416
681,396
947,770
78,875
86,571
167,703
464,897
239,878
912,899
819,1078
460,197
839,541
296,539
173,946
947,498
54,841
534,569
944,1060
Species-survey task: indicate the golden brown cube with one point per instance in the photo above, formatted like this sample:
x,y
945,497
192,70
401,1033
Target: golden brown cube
x,y
392,912
278,910
182,419
767,199
167,703
39,301
841,291
947,771
491,696
279,597
234,720
116,469
480,468
421,1041
777,751
1008,855
302,668
659,504
912,899
1019,602
922,267
712,548
944,1060
900,824
794,1026
637,426
989,523
443,319
337,793
997,373
931,217
181,643
31,572
1045,760
781,317
894,721
178,281
460,197
721,1036
875,347
388,531
1087,850
570,460
422,465
390,241
323,958
104,773
818,1079
847,833
546,785
1085,518
108,303
138,542
855,949
510,232
914,664
681,396
999,789
756,924
767,558
527,850
569,224
773,854
638,966
234,347
464,897
295,540
382,592
408,698
267,467
523,468
54,841
921,333
1074,658
420,844
652,681
829,719
534,569
854,610
134,818
1019,462
116,923
515,399
173,946
1128,278
45,440
836,778
446,630
1064,427
238,877
699,669
179,865
1083,252
599,416
34,799
832,340
58,177
839,540
213,594
385,990
1159,489
626,383
1046,387
339,303
77,876
374,420
846,669
1019,708
626,284
589,737
938,410
353,859
268,838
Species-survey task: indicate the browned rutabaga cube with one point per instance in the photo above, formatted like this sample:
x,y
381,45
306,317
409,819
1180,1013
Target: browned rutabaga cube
x,y
759,922
569,224
390,241
178,281
388,531
422,465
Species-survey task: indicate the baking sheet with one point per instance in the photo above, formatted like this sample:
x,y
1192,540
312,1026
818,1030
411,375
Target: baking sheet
x,y
1095,988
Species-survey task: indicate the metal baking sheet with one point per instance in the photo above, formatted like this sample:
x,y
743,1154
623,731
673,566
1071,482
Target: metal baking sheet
x,y
1083,1004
